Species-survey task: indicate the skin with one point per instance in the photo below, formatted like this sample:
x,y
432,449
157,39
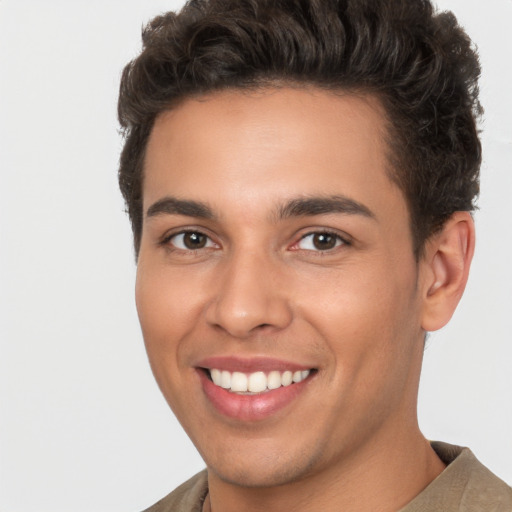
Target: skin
x,y
356,312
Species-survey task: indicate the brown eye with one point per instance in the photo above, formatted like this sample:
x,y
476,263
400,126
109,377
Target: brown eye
x,y
320,241
190,241
324,241
194,240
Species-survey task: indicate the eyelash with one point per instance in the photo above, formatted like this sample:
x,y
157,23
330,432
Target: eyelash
x,y
166,241
339,241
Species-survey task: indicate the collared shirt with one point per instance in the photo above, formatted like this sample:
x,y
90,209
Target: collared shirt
x,y
465,485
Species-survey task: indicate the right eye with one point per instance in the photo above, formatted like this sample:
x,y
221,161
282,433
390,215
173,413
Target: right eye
x,y
190,241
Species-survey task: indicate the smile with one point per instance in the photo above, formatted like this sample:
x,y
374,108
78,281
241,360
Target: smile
x,y
256,382
249,390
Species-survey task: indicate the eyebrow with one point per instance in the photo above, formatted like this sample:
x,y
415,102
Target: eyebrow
x,y
174,206
309,206
298,207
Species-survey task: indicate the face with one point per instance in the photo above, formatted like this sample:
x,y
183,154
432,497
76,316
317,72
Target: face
x,y
277,288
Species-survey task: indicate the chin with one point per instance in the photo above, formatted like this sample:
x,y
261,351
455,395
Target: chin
x,y
259,470
257,477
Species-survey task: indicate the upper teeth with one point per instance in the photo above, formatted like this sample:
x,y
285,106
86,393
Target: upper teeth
x,y
255,382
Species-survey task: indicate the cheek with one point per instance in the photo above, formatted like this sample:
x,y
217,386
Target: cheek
x,y
367,316
167,305
167,308
368,327
165,302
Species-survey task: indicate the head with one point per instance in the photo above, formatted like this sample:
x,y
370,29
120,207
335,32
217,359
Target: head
x,y
299,177
418,63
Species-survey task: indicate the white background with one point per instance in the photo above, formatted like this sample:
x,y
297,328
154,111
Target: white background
x,y
83,427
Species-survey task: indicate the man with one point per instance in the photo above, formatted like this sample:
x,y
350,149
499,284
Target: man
x,y
300,177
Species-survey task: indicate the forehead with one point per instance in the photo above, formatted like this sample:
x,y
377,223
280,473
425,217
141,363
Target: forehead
x,y
264,146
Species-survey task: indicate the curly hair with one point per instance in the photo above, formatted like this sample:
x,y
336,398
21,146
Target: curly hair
x,y
418,62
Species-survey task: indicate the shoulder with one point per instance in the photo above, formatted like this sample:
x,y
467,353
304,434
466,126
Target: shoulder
x,y
483,490
188,497
466,485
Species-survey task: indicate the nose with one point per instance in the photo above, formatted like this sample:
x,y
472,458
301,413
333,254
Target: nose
x,y
249,297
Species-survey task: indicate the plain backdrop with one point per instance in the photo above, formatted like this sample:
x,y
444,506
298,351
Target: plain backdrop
x,y
83,427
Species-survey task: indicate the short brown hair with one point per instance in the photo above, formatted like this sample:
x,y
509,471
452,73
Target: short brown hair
x,y
420,63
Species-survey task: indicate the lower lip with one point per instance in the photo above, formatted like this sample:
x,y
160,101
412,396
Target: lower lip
x,y
250,407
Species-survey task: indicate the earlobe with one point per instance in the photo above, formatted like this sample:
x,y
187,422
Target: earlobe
x,y
446,264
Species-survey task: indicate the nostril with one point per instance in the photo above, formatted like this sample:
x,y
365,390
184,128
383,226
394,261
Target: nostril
x,y
262,327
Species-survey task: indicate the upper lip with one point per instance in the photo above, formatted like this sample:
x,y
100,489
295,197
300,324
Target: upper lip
x,y
250,365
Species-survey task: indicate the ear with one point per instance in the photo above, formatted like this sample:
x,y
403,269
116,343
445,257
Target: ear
x,y
446,263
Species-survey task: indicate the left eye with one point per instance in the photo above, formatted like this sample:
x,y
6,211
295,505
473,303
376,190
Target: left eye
x,y
190,241
320,242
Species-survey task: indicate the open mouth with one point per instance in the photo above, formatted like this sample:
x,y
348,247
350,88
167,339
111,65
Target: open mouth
x,y
253,390
256,382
